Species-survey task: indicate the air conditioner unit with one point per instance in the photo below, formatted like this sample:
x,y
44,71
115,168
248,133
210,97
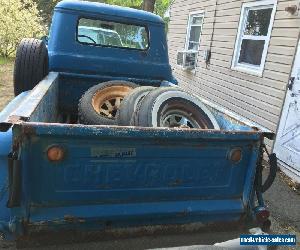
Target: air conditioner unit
x,y
187,59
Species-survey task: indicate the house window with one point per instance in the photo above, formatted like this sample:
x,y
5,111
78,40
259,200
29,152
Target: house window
x,y
253,36
194,30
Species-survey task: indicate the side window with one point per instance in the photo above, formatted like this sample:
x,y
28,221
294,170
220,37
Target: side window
x,y
194,30
105,33
253,36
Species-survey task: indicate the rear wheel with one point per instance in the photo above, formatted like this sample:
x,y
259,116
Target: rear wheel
x,y
31,64
99,105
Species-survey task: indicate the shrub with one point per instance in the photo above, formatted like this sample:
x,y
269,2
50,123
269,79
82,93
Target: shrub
x,y
18,19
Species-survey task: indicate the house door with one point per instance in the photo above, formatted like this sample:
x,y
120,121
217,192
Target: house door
x,y
287,144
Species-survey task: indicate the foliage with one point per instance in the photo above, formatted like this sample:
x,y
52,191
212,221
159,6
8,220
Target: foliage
x,y
137,4
46,9
18,19
3,60
258,22
24,18
161,6
46,6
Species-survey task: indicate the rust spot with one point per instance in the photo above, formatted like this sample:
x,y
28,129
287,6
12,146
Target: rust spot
x,y
29,130
43,235
57,221
175,183
184,126
14,119
41,223
183,213
108,224
70,218
292,9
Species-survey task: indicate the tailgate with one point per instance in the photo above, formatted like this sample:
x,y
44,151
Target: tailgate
x,y
118,172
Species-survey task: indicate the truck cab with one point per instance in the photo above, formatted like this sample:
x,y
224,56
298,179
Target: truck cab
x,y
131,44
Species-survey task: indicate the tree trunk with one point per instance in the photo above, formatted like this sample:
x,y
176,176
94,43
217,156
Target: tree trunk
x,y
148,5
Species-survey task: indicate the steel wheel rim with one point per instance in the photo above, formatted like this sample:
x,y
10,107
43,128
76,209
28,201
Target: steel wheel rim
x,y
110,107
179,118
106,102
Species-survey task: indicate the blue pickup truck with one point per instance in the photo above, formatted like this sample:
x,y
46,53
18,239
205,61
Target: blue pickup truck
x,y
57,174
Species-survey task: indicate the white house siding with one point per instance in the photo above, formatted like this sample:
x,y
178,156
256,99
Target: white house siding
x,y
259,99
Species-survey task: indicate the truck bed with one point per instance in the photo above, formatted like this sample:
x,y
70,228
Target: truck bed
x,y
114,176
55,100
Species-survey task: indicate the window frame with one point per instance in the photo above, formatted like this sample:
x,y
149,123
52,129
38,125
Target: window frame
x,y
189,26
250,68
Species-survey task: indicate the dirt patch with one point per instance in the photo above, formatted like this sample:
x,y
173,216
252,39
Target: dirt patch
x,y
6,82
292,184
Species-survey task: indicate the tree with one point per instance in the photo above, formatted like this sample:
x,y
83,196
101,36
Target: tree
x,y
161,6
46,9
18,19
157,6
136,4
148,5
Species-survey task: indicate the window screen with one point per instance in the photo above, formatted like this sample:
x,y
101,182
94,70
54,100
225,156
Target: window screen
x,y
104,33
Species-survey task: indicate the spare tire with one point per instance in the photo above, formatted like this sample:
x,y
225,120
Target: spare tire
x,y
100,103
173,107
31,64
129,104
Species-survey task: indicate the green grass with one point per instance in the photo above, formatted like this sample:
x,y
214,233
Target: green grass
x,y
4,60
6,81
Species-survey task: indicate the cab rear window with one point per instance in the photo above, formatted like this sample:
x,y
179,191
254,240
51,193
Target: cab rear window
x,y
112,34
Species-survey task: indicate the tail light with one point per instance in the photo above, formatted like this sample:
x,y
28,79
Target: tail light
x,y
235,155
262,214
55,153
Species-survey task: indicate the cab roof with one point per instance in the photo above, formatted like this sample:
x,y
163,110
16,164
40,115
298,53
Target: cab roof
x,y
106,9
